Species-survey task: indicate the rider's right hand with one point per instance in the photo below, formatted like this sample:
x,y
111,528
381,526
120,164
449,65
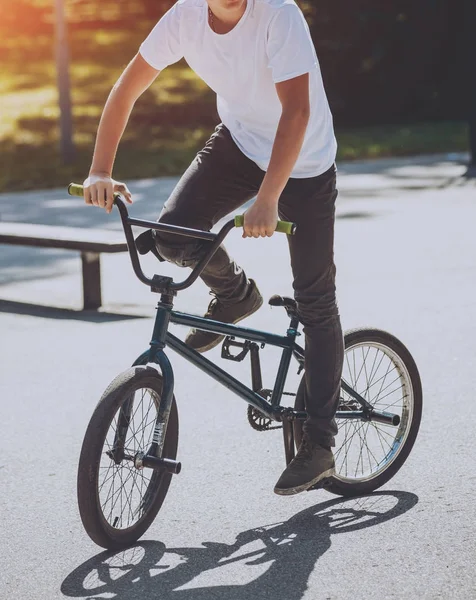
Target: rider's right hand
x,y
99,190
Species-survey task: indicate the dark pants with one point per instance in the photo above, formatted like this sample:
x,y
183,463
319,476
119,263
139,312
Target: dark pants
x,y
218,182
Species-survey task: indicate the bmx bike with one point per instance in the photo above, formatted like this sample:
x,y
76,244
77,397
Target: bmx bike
x,y
129,452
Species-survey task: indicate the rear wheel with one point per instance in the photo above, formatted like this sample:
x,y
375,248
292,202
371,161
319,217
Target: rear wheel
x,y
118,501
367,453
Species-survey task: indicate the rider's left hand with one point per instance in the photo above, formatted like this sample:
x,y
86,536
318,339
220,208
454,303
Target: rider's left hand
x,y
261,220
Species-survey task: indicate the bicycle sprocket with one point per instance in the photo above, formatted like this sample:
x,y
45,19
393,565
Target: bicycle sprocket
x,y
259,421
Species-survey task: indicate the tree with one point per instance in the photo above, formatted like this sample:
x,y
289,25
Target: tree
x,y
62,66
380,60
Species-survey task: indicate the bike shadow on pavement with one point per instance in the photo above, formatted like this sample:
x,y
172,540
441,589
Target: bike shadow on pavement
x,y
272,561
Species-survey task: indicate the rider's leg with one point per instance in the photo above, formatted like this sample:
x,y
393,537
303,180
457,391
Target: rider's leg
x,y
218,182
310,203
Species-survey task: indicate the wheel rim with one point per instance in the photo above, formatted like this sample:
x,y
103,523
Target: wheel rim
x,y
366,449
124,491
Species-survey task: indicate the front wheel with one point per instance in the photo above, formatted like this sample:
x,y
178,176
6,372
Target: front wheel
x,y
367,453
118,501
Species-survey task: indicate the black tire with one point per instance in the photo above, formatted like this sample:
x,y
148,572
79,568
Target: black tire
x,y
405,434
94,520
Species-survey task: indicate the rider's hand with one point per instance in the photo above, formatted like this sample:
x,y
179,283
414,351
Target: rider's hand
x,y
261,220
99,190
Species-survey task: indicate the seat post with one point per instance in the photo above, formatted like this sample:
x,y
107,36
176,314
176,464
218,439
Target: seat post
x,y
294,321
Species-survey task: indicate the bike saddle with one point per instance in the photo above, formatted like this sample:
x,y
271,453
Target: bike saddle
x,y
145,243
288,303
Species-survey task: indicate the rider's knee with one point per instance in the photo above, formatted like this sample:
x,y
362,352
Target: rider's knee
x,y
175,248
315,309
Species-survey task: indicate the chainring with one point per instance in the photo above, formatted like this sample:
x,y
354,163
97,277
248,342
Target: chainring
x,y
259,421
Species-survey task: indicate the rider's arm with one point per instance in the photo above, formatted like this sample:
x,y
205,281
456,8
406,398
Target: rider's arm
x,y
135,79
291,58
161,48
262,217
294,97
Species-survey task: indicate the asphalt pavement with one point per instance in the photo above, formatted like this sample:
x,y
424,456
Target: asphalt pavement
x,y
406,260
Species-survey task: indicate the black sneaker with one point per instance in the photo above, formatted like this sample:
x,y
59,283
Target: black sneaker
x,y
312,464
201,341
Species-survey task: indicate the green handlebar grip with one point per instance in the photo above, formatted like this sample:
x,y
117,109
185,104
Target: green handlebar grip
x,y
74,189
282,226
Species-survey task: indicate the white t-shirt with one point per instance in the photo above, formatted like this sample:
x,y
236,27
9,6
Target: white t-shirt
x,y
271,43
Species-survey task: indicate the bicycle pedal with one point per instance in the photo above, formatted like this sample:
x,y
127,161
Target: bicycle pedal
x,y
230,342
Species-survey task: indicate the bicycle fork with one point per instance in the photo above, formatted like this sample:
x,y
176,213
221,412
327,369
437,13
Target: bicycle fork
x,y
151,458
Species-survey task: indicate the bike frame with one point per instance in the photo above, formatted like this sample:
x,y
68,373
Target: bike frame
x,y
162,338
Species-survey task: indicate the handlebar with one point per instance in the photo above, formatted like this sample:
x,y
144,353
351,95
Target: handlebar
x,y
216,239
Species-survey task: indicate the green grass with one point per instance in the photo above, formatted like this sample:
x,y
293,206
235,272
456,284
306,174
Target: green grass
x,y
169,123
402,140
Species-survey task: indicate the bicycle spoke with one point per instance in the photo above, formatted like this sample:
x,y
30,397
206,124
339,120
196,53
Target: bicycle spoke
x,y
134,432
383,381
355,378
378,427
380,438
361,368
124,501
376,382
350,374
373,370
106,479
379,397
114,502
360,454
364,365
402,399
